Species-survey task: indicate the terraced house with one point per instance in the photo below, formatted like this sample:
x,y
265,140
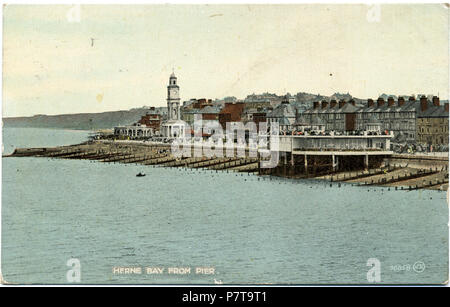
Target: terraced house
x,y
284,114
432,123
334,116
397,116
411,121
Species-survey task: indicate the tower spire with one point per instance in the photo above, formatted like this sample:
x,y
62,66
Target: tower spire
x,y
173,98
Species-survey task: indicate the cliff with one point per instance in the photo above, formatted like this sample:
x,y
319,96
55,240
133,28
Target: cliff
x,y
80,121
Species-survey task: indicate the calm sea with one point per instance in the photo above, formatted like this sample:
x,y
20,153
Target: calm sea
x,y
249,229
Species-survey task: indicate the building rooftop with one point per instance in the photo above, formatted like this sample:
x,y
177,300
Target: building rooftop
x,y
375,107
347,108
210,110
432,111
282,110
191,111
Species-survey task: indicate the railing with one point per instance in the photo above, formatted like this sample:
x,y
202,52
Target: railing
x,y
339,149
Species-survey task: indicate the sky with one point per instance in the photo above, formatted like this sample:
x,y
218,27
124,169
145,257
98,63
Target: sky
x,y
96,58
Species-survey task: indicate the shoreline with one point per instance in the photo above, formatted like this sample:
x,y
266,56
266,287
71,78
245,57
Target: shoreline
x,y
404,172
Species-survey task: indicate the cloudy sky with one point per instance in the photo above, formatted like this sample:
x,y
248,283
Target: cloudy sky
x,y
119,57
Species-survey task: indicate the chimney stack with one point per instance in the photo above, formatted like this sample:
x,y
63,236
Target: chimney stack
x,y
391,101
324,104
446,107
412,98
436,101
401,101
370,102
341,103
423,103
352,101
316,104
333,103
380,102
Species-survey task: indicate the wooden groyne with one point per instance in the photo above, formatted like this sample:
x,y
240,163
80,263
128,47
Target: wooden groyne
x,y
396,176
145,154
408,174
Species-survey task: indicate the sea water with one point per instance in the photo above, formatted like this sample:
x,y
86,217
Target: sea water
x,y
248,229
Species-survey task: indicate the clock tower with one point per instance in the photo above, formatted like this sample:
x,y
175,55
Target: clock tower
x,y
174,127
173,98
